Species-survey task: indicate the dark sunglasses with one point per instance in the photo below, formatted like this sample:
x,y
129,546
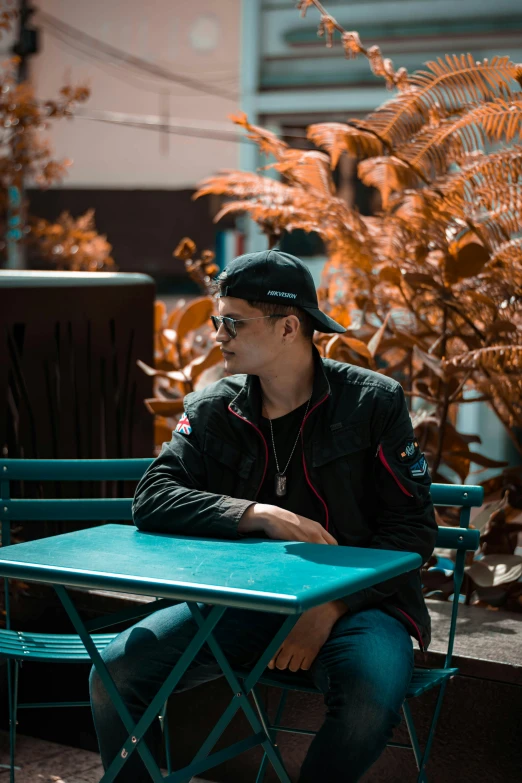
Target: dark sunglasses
x,y
230,323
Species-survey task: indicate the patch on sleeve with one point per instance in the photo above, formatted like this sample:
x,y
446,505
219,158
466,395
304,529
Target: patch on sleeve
x,y
419,468
408,450
183,425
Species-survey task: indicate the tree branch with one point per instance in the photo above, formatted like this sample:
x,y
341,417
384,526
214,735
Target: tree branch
x,y
353,46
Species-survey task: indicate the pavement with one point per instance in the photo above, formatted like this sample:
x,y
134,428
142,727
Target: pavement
x,y
40,761
481,633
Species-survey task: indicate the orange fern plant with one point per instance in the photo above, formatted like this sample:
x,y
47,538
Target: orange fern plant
x,y
430,287
72,243
185,352
26,156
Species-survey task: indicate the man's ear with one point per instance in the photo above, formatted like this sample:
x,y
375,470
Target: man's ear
x,y
291,325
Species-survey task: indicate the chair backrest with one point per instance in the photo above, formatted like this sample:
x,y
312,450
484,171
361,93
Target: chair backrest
x,y
69,509
461,538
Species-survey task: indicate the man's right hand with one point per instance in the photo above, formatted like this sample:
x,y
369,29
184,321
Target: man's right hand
x,y
283,525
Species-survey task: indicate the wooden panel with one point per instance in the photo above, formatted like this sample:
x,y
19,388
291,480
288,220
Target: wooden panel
x,y
143,226
68,351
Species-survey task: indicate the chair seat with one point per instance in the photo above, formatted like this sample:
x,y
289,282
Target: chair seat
x,y
23,645
422,680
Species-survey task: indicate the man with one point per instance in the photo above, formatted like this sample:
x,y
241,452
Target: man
x,y
295,448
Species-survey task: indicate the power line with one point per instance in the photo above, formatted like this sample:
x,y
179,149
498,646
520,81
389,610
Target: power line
x,y
178,130
123,71
55,25
191,128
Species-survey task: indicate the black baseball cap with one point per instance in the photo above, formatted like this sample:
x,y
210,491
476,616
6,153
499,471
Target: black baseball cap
x,y
273,276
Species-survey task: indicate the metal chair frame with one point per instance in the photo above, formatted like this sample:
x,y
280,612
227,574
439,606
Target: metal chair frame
x,y
23,647
461,539
17,646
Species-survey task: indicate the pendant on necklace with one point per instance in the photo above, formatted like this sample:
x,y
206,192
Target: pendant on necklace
x,y
280,485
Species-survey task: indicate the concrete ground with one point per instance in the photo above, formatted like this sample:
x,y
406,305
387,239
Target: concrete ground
x,y
481,633
47,762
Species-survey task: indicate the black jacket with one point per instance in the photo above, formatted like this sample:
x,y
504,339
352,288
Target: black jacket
x,y
360,456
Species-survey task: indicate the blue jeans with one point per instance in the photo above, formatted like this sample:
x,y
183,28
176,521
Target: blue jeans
x,y
363,670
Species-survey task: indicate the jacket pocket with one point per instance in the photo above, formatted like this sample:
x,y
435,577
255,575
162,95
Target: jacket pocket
x,y
342,463
228,468
343,444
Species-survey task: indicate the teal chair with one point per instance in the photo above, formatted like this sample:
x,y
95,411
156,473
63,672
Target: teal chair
x,y
461,539
18,646
21,646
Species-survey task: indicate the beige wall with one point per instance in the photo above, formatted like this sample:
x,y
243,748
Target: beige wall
x,y
199,39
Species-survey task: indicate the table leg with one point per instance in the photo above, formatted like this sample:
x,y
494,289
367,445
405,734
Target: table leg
x,y
137,731
202,761
240,700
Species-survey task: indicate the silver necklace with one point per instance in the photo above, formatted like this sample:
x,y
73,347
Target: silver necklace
x,y
280,478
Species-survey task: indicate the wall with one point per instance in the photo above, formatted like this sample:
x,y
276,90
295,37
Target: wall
x,y
199,40
169,63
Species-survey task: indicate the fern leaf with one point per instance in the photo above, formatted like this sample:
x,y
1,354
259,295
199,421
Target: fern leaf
x,y
498,230
414,210
309,169
432,150
509,252
496,359
337,137
496,203
479,169
387,174
240,183
504,393
279,207
448,84
268,142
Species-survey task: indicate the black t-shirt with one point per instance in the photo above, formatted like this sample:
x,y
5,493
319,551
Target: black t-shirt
x,y
299,497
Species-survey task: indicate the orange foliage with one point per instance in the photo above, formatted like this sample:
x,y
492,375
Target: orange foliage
x,y
430,288
184,345
26,156
73,244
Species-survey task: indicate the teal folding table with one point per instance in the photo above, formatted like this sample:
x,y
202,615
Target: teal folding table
x,y
262,575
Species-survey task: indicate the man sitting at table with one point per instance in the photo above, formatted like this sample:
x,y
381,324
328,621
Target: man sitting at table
x,y
298,448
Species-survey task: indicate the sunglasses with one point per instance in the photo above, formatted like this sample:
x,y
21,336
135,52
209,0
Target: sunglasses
x,y
230,323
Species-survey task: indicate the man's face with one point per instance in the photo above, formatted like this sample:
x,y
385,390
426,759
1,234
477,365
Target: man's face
x,y
258,343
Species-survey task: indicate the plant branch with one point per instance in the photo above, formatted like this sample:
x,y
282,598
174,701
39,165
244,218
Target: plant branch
x,y
453,306
353,46
411,308
444,405
461,385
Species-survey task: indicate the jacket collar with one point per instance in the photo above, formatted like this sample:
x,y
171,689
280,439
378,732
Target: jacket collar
x,y
247,403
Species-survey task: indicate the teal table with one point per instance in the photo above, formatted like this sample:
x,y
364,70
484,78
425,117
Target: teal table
x,y
268,576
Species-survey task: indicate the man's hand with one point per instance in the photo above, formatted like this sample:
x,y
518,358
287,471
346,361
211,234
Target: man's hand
x,y
301,647
284,525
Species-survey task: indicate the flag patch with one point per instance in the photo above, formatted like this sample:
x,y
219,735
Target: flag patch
x,y
419,468
183,425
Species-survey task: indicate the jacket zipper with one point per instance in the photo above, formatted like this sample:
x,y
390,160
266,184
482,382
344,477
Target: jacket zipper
x,y
419,637
305,469
384,461
304,462
264,442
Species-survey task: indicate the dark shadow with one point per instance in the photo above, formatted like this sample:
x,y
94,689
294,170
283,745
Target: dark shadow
x,y
357,557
